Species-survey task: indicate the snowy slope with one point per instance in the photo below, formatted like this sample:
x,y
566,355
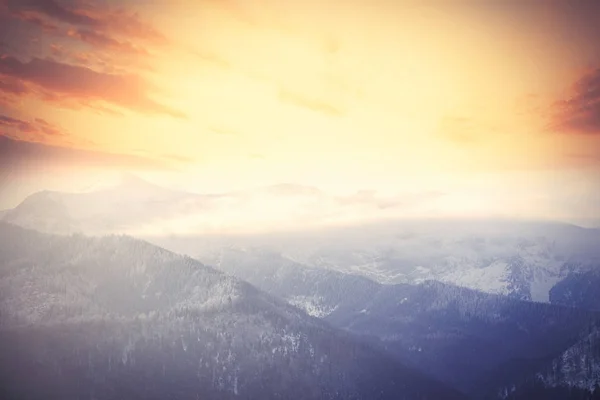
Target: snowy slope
x,y
460,336
520,259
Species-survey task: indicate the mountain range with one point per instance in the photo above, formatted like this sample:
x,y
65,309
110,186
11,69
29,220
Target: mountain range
x,y
471,340
135,206
521,259
401,308
116,317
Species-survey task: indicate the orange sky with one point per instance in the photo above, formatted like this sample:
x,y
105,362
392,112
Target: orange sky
x,y
495,103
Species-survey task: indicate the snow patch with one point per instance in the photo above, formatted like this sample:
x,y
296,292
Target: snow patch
x,y
491,279
312,305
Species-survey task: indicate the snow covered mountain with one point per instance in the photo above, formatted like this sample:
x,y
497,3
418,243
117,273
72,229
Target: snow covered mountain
x,y
471,340
114,317
524,260
521,259
127,205
135,206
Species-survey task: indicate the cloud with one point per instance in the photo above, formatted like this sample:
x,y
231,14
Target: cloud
x,y
20,125
27,167
20,153
583,159
57,50
37,128
88,15
101,40
48,128
51,9
59,81
212,58
118,34
310,104
12,86
580,112
46,26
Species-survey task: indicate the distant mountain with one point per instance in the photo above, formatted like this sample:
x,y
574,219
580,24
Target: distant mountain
x,y
471,340
520,259
114,318
578,290
129,204
135,206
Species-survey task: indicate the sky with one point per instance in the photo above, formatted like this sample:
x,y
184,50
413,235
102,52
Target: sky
x,y
495,105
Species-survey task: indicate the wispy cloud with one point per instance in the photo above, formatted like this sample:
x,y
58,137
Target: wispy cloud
x,y
37,129
87,15
17,153
579,113
211,58
48,128
12,86
583,159
117,36
46,26
58,81
100,40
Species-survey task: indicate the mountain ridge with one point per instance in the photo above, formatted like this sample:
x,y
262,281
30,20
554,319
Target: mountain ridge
x,y
81,314
459,335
